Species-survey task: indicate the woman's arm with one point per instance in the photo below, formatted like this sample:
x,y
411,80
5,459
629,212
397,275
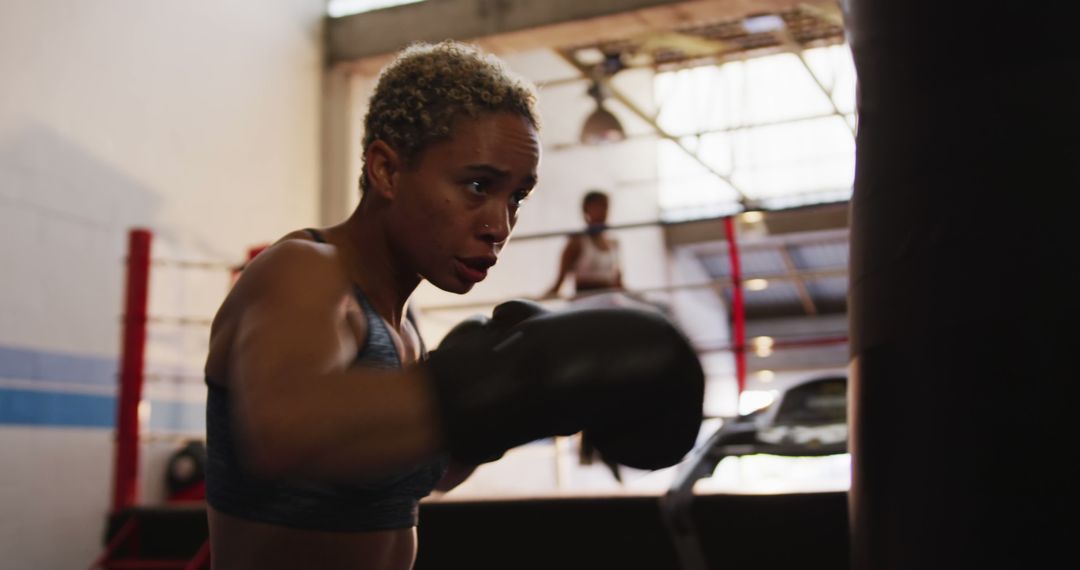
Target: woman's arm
x,y
571,253
298,410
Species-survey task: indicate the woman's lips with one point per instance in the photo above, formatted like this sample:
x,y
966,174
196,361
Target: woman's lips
x,y
474,269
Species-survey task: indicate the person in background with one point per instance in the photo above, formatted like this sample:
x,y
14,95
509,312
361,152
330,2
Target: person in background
x,y
591,257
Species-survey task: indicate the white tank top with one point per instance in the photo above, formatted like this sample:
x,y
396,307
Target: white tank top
x,y
596,265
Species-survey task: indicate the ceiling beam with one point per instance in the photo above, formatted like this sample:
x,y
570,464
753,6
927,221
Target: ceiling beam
x,y
384,31
704,132
520,25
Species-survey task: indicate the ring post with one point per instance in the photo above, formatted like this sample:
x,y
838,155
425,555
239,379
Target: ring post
x,y
738,308
126,470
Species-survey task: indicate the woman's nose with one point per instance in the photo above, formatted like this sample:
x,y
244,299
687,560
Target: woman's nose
x,y
495,226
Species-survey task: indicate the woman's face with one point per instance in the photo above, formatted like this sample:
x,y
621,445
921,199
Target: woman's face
x,y
455,208
596,212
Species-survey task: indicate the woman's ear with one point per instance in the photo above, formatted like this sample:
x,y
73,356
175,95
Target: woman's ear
x,y
383,165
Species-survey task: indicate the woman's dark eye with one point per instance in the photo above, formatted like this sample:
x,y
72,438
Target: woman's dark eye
x,y
477,186
519,197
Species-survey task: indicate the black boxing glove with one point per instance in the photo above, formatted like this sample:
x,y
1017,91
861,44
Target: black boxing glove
x,y
628,376
480,329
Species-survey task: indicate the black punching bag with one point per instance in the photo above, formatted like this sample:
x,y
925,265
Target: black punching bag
x,y
965,285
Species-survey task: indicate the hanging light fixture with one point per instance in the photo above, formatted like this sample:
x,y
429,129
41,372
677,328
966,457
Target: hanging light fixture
x,y
602,127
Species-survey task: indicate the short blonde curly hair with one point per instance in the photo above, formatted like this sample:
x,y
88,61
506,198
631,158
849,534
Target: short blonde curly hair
x,y
429,86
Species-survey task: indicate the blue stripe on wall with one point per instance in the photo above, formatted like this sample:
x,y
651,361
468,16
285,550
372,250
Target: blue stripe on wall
x,y
51,407
27,364
56,409
59,409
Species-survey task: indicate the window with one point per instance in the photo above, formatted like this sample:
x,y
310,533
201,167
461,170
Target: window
x,y
340,8
778,129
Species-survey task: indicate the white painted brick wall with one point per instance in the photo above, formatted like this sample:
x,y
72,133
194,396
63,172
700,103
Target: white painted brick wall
x,y
197,119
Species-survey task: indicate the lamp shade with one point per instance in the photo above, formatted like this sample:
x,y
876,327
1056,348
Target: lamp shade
x,y
601,128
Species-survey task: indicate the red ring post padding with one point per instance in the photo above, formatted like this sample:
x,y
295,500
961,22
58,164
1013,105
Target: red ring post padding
x,y
738,307
126,471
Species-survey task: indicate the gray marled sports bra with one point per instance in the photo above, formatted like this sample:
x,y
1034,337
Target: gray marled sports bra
x,y
389,503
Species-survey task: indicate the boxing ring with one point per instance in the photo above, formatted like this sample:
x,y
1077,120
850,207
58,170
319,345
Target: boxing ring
x,y
174,532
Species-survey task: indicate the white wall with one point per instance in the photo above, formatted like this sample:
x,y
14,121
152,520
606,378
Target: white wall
x,y
197,119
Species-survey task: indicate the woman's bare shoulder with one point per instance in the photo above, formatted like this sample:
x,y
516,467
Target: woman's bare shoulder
x,y
295,262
